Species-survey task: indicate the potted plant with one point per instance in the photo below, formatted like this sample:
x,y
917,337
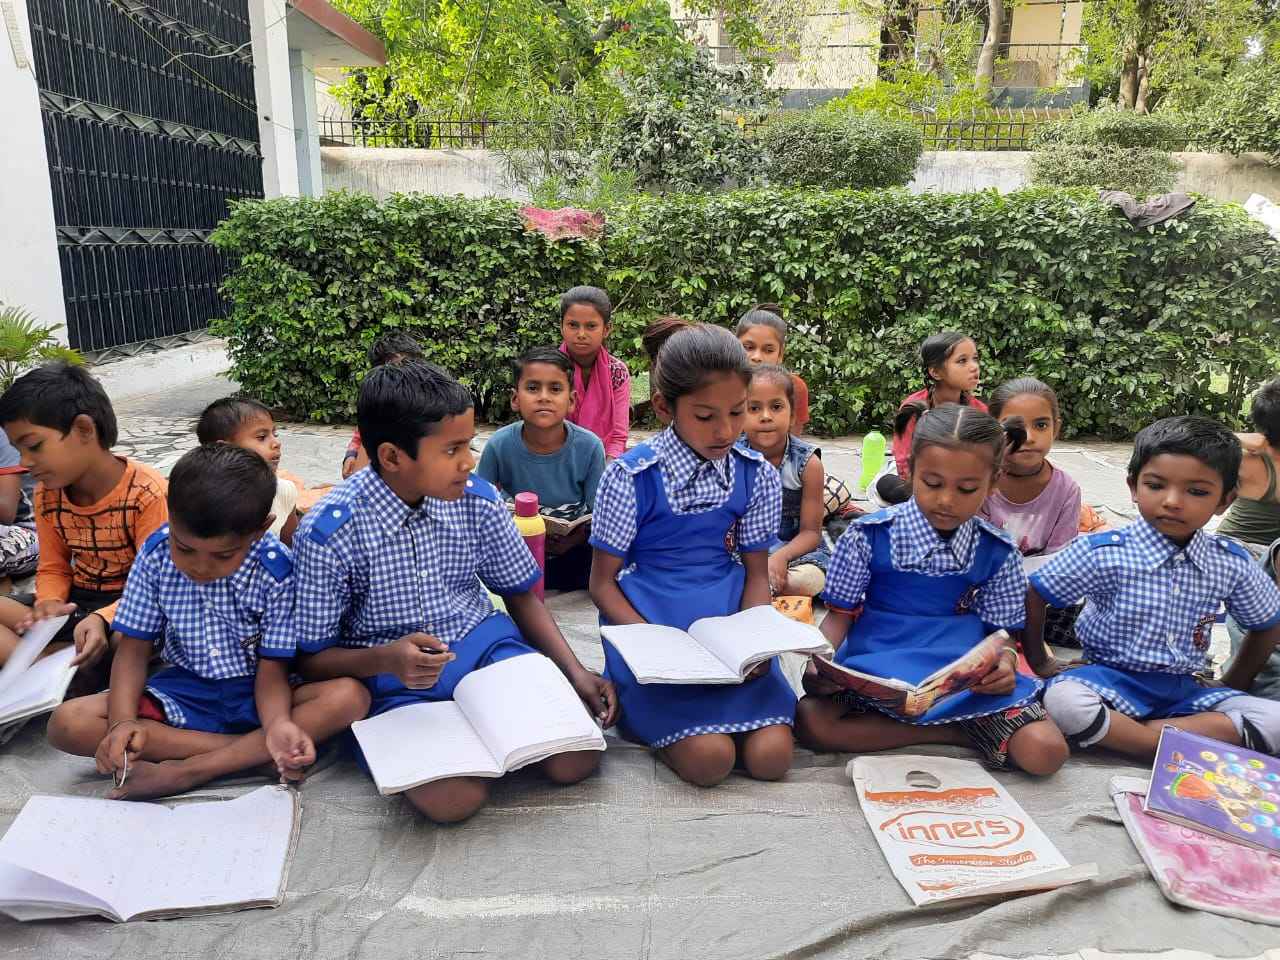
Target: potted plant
x,y
24,343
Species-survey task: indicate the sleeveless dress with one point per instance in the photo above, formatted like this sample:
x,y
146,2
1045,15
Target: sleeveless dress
x,y
679,569
913,623
794,460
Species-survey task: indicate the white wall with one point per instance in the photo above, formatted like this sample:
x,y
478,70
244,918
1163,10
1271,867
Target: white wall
x,y
306,138
29,273
269,35
384,171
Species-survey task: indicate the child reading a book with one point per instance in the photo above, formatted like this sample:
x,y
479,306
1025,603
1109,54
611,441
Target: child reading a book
x,y
672,518
390,570
763,334
214,590
543,453
1152,592
394,347
601,382
798,557
93,510
912,588
249,424
949,364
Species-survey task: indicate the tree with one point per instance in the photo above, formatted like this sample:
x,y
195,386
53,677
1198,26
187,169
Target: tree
x,y
985,71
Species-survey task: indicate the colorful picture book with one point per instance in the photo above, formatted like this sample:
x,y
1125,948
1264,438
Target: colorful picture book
x,y
1220,789
914,700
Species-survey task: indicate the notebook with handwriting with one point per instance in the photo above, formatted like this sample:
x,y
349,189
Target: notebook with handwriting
x,y
30,686
502,717
74,856
715,649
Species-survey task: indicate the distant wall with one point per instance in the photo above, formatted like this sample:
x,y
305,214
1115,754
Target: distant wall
x,y
478,173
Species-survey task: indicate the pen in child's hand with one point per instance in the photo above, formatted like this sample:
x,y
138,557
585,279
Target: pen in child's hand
x,y
123,774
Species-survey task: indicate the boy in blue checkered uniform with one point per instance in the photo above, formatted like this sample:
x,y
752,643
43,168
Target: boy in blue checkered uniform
x,y
1153,591
215,590
392,569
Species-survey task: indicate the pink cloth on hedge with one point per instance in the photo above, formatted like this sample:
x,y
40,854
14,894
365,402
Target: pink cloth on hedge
x,y
604,405
902,444
1043,525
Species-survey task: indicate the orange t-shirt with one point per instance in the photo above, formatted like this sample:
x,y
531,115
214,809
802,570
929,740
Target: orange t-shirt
x,y
92,547
800,416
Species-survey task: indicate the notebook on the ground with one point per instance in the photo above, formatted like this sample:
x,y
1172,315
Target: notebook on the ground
x,y
72,856
715,649
29,686
502,717
1224,790
914,700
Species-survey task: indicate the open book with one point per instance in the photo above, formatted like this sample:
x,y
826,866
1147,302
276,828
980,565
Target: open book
x,y
715,649
29,686
502,717
914,700
72,856
560,521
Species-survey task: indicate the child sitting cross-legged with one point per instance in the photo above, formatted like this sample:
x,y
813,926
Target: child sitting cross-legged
x,y
1152,592
544,453
214,590
393,565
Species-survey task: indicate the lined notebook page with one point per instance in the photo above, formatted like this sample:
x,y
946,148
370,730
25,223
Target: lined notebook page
x,y
424,741
30,646
657,651
755,631
41,687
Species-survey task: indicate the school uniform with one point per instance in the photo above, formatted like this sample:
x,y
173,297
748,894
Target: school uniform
x,y
1150,606
925,601
677,521
372,569
212,635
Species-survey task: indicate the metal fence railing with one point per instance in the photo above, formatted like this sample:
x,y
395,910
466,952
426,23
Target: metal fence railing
x,y
426,133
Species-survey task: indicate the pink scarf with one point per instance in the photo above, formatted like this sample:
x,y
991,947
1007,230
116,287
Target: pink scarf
x,y
598,406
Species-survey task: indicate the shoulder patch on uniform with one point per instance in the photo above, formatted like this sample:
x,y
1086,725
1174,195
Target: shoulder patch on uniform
x,y
277,561
1106,538
331,517
158,536
1229,545
639,458
747,453
880,516
986,526
478,486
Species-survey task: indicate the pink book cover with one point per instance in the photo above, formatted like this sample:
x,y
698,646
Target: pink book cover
x,y
1196,869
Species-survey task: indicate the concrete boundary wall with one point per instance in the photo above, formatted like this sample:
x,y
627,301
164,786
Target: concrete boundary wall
x,y
479,173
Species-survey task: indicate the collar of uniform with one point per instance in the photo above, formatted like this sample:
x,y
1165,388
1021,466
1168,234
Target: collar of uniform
x,y
684,464
388,509
914,539
1156,549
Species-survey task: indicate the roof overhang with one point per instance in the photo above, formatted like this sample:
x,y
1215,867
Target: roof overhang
x,y
332,38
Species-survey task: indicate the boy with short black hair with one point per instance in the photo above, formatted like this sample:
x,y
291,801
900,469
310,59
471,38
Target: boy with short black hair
x,y
390,566
215,588
93,510
394,347
1152,592
544,453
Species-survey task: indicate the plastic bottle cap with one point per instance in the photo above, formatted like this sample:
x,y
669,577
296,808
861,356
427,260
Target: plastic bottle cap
x,y
526,504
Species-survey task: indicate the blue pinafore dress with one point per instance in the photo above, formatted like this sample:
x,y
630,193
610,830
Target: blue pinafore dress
x,y
679,569
913,624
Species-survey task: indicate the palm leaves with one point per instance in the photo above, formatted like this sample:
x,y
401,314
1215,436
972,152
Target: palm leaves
x,y
25,343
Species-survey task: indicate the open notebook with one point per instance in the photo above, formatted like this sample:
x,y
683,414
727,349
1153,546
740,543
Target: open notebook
x,y
71,856
715,649
28,686
502,717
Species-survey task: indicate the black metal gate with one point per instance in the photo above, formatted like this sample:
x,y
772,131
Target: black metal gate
x,y
151,127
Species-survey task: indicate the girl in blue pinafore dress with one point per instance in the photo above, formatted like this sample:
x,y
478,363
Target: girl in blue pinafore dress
x,y
672,518
913,587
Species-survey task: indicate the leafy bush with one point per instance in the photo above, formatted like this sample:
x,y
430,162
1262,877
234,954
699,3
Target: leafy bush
x,y
1245,113
1134,170
836,149
1127,325
1112,127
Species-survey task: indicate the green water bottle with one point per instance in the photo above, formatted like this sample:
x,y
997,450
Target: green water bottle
x,y
873,446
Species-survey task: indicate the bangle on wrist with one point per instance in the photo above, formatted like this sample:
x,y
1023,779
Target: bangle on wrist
x,y
118,722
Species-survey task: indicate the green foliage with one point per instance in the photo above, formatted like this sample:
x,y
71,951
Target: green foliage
x,y
1112,127
1134,170
837,149
1128,326
1244,114
24,343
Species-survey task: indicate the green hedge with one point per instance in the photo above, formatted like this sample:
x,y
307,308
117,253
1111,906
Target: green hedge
x,y
1137,171
1127,325
830,149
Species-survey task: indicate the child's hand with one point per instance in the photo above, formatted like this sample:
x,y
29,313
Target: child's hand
x,y
1003,676
599,696
778,573
417,660
292,751
91,640
1052,666
44,610
815,683
127,736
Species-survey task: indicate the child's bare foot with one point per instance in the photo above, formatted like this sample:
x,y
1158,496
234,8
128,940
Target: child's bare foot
x,y
149,780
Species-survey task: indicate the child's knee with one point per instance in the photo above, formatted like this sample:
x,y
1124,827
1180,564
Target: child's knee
x,y
78,726
1039,748
806,580
703,760
450,801
767,752
350,699
814,717
566,768
1078,712
1256,721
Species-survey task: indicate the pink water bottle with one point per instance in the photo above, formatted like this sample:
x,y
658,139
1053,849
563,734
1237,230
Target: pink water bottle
x,y
534,530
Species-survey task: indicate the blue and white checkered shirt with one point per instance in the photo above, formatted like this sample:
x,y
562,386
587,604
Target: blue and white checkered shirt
x,y
371,568
1150,603
217,630
916,547
692,485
